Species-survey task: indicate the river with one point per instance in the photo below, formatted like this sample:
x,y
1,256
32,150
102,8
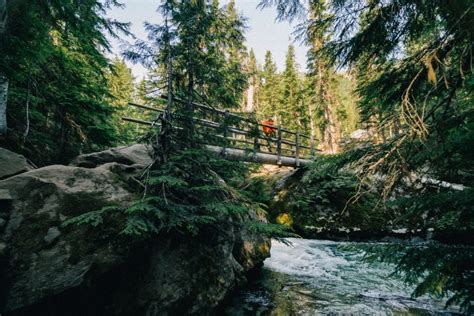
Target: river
x,y
314,277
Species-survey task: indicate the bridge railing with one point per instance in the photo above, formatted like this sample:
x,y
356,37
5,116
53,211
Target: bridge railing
x,y
230,130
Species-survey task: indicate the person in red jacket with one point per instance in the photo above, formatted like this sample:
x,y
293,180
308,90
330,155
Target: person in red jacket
x,y
268,131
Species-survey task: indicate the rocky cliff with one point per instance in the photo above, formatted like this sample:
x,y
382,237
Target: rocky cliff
x,y
48,269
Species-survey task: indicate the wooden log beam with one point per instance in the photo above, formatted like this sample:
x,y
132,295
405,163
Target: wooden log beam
x,y
146,107
249,156
133,120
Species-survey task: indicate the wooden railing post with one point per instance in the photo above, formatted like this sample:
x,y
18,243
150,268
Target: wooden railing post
x,y
226,115
233,135
255,141
279,145
297,148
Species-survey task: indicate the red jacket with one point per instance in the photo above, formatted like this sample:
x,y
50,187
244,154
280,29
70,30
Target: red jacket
x,y
268,130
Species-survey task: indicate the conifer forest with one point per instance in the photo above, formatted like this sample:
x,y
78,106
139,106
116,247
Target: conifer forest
x,y
170,163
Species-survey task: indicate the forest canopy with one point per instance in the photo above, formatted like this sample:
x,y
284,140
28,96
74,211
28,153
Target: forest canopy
x,y
399,72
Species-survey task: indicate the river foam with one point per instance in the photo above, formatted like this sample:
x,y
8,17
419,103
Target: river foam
x,y
327,277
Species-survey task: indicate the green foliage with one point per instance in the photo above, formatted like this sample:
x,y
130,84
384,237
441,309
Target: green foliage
x,y
252,71
183,198
274,231
413,62
291,111
436,269
256,190
195,55
93,218
326,198
121,87
441,210
347,111
205,43
52,55
187,187
268,98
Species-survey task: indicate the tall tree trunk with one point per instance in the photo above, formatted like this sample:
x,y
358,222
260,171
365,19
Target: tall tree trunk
x,y
312,125
3,78
190,110
331,132
3,16
3,104
250,95
162,147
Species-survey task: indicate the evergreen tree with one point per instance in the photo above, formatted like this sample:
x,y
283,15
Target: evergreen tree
x,y
142,92
413,62
269,94
121,83
291,113
235,52
323,103
214,36
122,90
52,55
184,188
251,95
347,112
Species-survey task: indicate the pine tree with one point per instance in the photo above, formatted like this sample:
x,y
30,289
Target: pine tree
x,y
413,62
235,51
290,113
347,112
269,94
323,104
251,69
184,188
121,87
52,55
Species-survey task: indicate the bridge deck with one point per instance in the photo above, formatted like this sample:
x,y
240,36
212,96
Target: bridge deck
x,y
241,138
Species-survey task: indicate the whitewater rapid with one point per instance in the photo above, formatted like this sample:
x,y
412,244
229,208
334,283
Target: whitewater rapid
x,y
318,277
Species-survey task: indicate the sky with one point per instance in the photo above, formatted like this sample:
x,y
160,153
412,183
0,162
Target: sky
x,y
263,32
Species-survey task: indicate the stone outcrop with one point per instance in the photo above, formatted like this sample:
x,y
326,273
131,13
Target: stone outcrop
x,y
12,164
136,154
47,268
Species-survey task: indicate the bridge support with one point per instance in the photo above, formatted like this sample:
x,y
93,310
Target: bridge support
x,y
249,156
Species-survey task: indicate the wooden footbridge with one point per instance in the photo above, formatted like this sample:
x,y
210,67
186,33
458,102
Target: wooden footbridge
x,y
242,138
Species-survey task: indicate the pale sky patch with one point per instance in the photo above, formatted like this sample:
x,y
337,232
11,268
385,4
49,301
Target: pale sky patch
x,y
263,32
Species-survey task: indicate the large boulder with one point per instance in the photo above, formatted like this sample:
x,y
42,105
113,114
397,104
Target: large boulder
x,y
137,154
12,164
81,270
